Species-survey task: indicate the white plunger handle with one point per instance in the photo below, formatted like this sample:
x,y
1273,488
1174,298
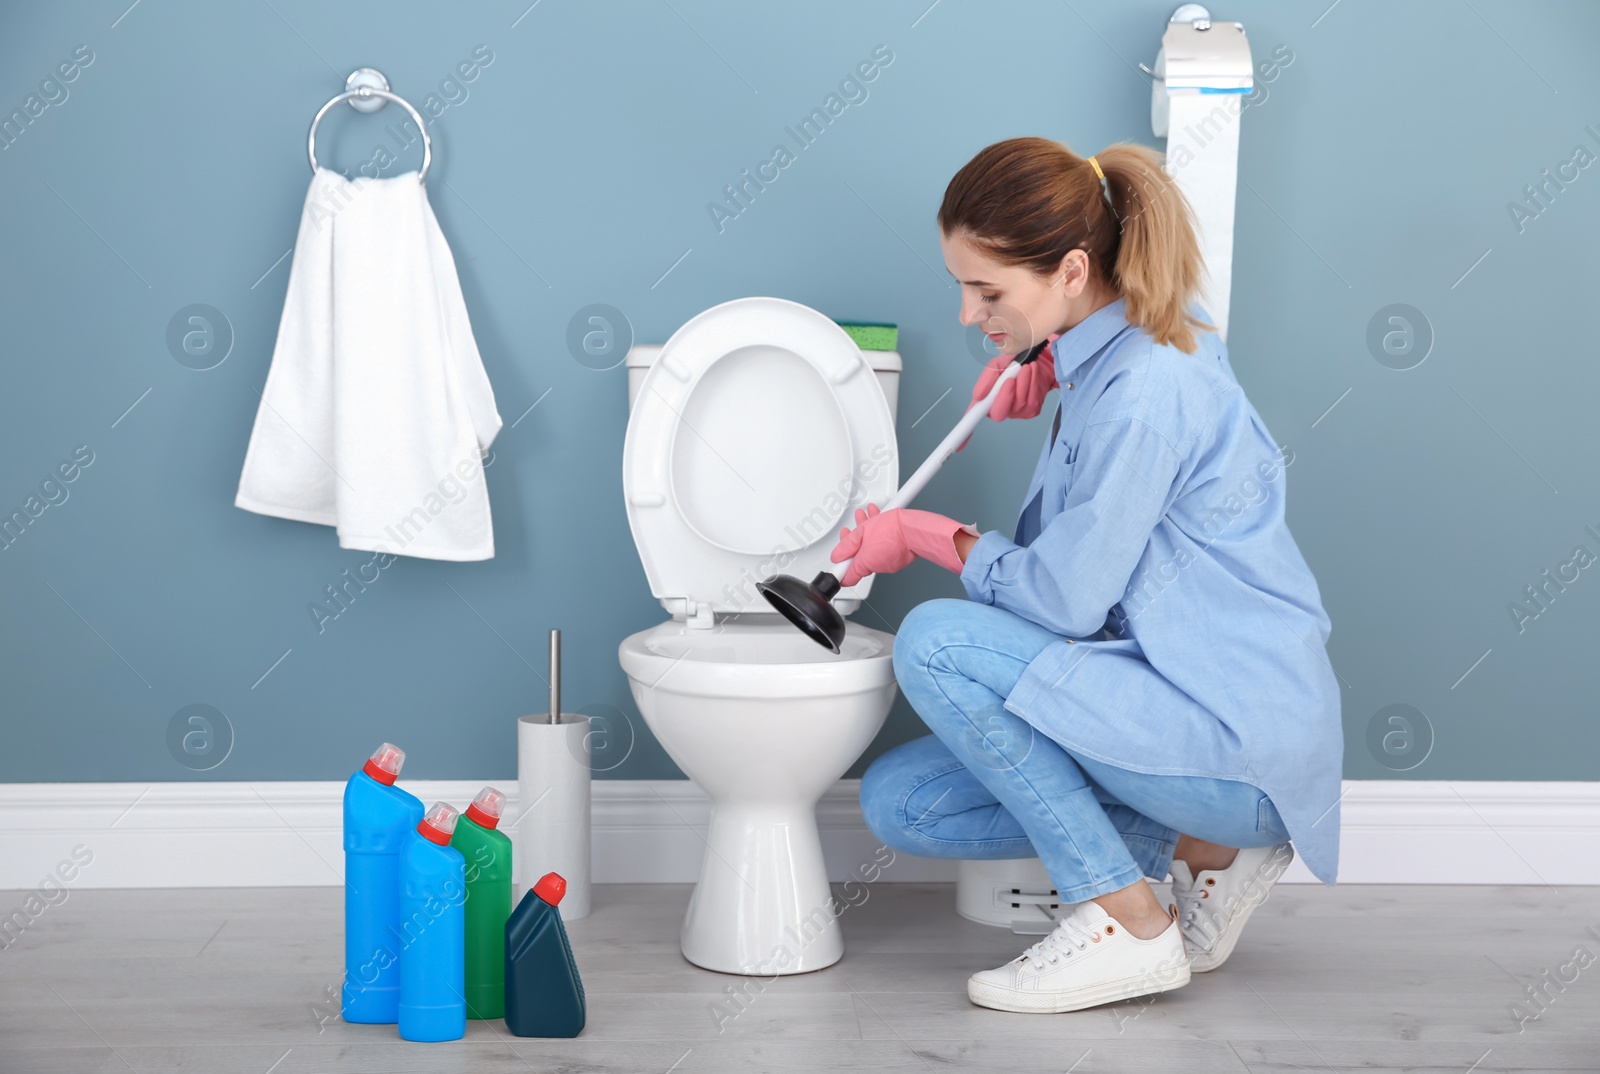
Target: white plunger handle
x,y
947,447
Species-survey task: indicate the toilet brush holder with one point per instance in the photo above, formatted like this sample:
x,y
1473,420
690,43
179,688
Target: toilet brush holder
x,y
552,831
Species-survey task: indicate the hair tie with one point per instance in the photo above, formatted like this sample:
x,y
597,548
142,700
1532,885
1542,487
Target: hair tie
x,y
1095,164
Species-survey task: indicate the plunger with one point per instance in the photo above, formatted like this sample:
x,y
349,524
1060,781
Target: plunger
x,y
808,605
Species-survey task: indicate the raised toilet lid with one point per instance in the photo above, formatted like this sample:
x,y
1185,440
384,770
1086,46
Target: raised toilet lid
x,y
754,435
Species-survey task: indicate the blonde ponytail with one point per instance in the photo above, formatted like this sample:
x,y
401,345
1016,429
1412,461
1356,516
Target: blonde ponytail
x,y
1029,201
1158,265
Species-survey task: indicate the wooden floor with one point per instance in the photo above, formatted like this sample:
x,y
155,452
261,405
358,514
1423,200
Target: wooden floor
x,y
1348,978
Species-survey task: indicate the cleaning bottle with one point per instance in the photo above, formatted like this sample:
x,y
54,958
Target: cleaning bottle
x,y
544,997
433,894
377,818
488,856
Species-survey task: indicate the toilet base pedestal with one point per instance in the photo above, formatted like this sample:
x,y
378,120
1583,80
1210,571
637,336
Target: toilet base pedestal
x,y
762,906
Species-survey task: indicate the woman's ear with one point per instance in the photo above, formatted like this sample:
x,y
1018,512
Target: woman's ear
x,y
1074,275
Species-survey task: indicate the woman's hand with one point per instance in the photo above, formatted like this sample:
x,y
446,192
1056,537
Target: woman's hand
x,y
1021,397
886,541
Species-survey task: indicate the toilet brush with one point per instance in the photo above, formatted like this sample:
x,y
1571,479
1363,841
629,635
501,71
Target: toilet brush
x,y
553,783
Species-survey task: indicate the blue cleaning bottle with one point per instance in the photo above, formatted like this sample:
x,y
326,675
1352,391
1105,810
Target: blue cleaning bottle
x,y
433,931
544,995
378,816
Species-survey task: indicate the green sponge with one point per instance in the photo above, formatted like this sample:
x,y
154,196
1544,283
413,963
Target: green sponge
x,y
871,335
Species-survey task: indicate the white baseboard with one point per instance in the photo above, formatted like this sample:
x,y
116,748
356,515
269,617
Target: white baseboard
x,y
281,834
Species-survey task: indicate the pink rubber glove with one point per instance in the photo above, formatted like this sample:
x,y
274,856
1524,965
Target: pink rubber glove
x,y
1023,396
886,541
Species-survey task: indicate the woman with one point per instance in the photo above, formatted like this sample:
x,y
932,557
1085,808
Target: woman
x,y
1138,681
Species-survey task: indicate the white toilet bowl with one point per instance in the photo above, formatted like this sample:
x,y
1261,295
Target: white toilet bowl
x,y
753,433
764,720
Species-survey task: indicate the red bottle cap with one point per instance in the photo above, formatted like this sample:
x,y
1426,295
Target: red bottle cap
x,y
551,887
487,809
439,823
384,765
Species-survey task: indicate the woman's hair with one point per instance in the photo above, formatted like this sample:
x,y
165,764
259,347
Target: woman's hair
x,y
1028,201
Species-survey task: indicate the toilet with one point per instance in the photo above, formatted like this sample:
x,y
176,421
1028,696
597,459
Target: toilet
x,y
753,434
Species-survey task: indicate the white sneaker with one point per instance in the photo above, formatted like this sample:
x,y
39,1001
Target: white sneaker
x,y
1214,905
1089,959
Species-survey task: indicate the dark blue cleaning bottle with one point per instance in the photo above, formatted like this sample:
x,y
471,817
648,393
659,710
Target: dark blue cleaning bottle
x,y
544,997
377,818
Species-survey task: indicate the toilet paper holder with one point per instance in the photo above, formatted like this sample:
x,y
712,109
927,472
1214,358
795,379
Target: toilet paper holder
x,y
1197,56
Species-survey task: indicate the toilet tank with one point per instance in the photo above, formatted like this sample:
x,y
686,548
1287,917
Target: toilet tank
x,y
885,366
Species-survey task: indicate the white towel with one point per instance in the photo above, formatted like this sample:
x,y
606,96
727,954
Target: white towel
x,y
377,411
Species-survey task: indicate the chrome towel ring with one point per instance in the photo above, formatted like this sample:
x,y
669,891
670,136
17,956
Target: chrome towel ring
x,y
367,90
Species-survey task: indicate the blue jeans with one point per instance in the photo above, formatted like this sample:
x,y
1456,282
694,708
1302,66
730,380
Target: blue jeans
x,y
986,784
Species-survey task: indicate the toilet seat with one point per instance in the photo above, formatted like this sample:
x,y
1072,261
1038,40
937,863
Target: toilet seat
x,y
756,658
757,430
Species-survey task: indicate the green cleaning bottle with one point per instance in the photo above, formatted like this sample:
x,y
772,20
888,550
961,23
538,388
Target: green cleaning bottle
x,y
488,859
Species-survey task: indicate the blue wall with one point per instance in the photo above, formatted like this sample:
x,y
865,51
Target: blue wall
x,y
576,168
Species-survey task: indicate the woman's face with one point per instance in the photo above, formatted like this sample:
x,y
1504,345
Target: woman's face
x,y
1014,307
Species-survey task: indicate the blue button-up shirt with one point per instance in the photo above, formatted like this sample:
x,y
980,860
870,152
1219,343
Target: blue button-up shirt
x,y
1153,540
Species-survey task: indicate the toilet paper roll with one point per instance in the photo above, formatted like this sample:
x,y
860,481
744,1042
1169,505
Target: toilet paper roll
x,y
1203,156
552,828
